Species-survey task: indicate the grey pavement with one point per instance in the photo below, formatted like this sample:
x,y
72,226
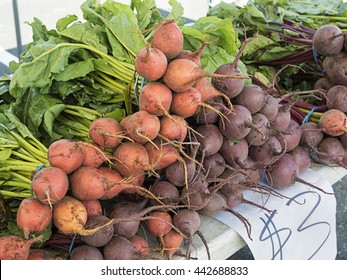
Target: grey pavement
x,y
341,217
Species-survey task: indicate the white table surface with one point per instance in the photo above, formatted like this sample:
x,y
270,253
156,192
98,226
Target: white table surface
x,y
223,241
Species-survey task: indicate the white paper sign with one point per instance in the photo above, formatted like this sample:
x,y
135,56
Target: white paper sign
x,y
302,226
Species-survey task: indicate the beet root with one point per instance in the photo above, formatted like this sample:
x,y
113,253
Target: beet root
x,y
86,252
120,248
266,153
102,236
236,126
328,40
311,135
197,193
210,139
151,63
292,135
166,192
252,97
176,174
168,38
234,151
214,165
330,151
285,172
260,130
230,87
126,210
16,248
302,158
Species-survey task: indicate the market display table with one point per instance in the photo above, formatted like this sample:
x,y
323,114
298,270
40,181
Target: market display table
x,y
223,240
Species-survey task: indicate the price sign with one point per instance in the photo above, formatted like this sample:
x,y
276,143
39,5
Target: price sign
x,y
301,226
